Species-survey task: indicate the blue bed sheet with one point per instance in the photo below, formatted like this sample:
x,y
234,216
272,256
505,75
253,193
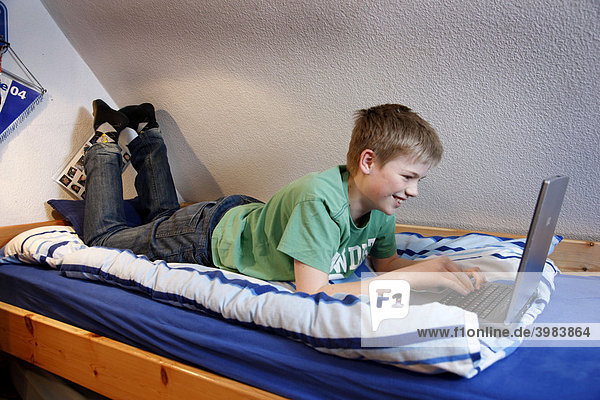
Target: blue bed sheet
x,y
292,369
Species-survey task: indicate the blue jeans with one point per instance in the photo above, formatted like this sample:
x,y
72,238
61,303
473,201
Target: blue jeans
x,y
168,232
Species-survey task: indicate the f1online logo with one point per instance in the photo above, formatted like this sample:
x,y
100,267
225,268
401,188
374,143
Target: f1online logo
x,y
389,300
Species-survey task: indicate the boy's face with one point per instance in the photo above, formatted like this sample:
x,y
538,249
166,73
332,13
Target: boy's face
x,y
385,187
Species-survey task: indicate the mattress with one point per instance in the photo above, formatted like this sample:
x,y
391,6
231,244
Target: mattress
x,y
289,368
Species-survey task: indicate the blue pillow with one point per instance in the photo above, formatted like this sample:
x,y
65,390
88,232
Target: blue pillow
x,y
74,212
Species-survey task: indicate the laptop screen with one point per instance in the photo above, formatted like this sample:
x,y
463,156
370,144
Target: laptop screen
x,y
538,243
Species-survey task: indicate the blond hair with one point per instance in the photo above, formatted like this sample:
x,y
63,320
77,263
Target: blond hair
x,y
392,130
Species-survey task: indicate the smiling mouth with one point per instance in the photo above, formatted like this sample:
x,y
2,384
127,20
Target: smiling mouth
x,y
398,199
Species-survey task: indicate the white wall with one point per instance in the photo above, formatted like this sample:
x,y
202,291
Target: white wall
x,y
41,146
256,93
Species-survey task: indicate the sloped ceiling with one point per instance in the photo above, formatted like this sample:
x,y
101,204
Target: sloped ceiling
x,y
253,94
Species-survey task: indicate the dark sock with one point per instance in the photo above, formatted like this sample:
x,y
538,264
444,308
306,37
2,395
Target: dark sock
x,y
107,122
141,117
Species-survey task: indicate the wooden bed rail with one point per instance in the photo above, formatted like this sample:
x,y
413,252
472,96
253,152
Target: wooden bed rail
x,y
108,367
571,256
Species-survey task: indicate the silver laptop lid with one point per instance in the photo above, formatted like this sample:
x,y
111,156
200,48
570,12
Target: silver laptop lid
x,y
538,243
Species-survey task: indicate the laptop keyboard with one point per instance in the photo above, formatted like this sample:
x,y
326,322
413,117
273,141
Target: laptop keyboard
x,y
482,301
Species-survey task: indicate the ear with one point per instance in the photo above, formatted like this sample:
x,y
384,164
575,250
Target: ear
x,y
366,161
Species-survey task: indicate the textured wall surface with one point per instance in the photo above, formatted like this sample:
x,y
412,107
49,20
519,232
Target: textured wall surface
x,y
253,94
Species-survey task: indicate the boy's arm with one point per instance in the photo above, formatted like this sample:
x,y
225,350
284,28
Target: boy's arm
x,y
437,264
440,271
310,280
390,264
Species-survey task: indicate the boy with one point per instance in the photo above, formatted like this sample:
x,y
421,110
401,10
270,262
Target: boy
x,y
321,223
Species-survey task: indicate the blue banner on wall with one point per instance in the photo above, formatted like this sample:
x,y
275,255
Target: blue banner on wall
x,y
17,102
18,96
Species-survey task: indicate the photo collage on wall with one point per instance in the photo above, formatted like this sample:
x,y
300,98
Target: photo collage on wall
x,y
72,177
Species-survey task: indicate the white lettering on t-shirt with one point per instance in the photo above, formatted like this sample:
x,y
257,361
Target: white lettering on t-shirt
x,y
340,263
355,256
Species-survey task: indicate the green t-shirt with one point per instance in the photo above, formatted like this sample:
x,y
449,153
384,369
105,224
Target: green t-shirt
x,y
308,220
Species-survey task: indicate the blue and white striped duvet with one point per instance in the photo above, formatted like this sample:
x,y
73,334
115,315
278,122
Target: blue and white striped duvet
x,y
334,325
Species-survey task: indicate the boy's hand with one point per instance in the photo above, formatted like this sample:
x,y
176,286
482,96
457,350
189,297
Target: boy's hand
x,y
439,271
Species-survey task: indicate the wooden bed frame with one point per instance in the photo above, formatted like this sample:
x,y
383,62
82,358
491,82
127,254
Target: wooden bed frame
x,y
120,371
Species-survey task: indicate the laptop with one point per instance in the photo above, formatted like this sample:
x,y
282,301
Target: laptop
x,y
499,302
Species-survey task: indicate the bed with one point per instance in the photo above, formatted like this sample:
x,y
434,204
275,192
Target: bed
x,y
173,352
